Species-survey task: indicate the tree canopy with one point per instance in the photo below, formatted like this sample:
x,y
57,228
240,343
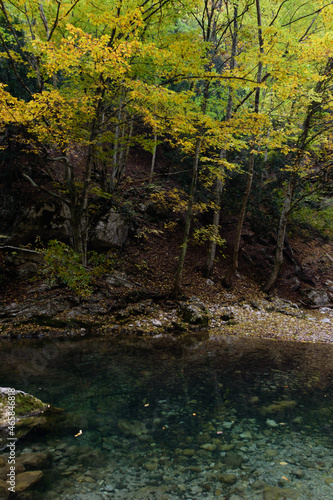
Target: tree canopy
x,y
231,85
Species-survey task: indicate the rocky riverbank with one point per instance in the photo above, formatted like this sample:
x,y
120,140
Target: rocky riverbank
x,y
44,311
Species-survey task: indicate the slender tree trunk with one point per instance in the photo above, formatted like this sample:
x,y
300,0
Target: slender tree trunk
x,y
122,149
153,160
216,225
228,278
219,182
242,213
82,209
281,234
116,146
129,138
181,259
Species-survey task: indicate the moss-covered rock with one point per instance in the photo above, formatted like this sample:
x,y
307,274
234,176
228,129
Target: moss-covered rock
x,y
19,412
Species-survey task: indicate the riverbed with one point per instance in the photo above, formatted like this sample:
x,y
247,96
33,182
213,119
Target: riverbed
x,y
158,418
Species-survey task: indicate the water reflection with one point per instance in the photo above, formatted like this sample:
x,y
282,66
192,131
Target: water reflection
x,y
228,417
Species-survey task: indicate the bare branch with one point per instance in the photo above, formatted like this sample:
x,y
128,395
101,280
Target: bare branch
x,y
55,21
277,12
43,18
307,15
51,193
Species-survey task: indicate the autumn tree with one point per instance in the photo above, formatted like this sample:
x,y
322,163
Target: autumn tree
x,y
90,85
317,125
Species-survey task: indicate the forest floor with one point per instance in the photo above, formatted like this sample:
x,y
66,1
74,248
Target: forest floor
x,y
149,263
150,267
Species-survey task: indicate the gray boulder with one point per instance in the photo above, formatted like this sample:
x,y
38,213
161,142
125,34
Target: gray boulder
x,y
110,231
317,297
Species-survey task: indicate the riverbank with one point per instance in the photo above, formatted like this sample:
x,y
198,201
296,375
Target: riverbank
x,y
43,311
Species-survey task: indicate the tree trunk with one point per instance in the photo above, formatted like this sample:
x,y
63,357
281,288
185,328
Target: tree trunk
x,y
216,225
153,160
228,278
181,259
301,146
219,182
281,234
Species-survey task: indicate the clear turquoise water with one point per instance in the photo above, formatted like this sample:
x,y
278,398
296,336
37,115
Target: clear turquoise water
x,y
179,393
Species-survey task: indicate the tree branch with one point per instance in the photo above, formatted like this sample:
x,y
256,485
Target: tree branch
x,y
51,193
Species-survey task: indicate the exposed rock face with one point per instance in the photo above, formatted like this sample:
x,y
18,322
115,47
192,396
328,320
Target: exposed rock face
x,y
110,231
21,263
46,220
52,221
49,307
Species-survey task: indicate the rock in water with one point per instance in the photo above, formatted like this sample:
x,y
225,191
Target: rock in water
x,y
278,407
132,428
36,460
26,479
18,407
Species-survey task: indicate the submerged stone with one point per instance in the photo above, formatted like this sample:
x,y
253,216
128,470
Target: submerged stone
x,y
276,493
150,466
132,428
246,435
188,452
227,478
208,446
227,425
233,460
258,485
5,470
271,423
38,460
4,493
278,407
26,479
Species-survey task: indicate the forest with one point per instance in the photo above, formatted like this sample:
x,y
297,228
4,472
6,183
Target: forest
x,y
166,249
229,103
